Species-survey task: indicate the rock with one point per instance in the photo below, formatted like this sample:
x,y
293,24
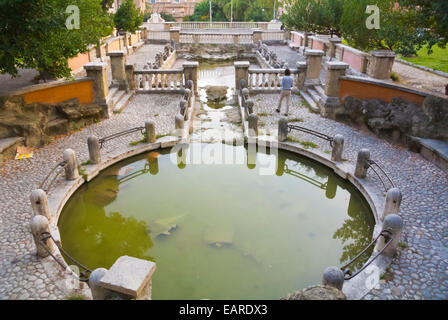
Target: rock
x,y
318,292
164,226
217,93
56,127
219,236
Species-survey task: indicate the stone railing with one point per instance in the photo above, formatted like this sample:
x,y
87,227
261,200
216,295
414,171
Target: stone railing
x,y
273,35
213,25
158,35
159,80
270,79
215,38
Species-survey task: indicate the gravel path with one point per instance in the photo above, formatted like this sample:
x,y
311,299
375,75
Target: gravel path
x,y
420,79
22,275
420,270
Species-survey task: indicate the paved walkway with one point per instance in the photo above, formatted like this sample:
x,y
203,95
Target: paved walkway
x,y
22,275
420,271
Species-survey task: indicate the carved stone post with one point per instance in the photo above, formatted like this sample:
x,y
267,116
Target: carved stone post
x,y
39,225
130,78
39,203
241,72
394,225
257,35
393,202
118,62
282,129
175,34
301,76
191,73
338,148
380,64
98,73
333,277
94,150
150,131
362,163
71,167
332,43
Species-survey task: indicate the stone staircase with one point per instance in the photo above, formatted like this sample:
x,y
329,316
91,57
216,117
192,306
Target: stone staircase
x,y
119,99
312,95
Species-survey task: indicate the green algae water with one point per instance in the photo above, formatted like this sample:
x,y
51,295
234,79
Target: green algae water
x,y
219,231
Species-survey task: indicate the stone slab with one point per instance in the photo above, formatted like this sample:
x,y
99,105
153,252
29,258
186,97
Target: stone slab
x,y
128,275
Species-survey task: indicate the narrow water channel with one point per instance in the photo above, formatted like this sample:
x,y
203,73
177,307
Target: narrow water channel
x,y
217,121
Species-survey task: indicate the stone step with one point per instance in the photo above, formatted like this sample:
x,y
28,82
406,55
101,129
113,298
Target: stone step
x,y
310,101
433,150
8,147
124,101
118,96
113,91
314,95
320,90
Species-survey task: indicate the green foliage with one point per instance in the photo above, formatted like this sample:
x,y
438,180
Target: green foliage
x,y
395,77
243,10
34,34
322,16
398,29
168,17
128,18
106,4
434,58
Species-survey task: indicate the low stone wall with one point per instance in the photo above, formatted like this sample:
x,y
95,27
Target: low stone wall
x,y
40,112
214,52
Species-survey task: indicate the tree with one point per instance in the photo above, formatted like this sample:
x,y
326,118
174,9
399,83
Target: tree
x,y
106,4
398,30
321,16
168,17
128,18
38,37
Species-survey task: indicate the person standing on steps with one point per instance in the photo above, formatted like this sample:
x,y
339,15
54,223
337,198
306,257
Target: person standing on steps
x,y
287,83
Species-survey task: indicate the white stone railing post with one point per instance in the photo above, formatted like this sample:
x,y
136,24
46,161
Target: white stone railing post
x,y
314,62
394,225
71,166
39,203
282,129
241,72
191,73
94,150
150,131
40,225
338,148
301,73
362,163
393,202
333,277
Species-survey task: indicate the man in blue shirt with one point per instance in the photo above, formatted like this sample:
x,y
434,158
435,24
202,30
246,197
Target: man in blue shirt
x,y
287,83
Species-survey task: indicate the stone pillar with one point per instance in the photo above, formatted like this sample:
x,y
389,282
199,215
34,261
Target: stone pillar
x,y
150,131
253,125
241,72
282,129
380,64
39,225
100,50
175,34
314,62
126,40
333,277
338,148
330,101
118,62
235,39
195,38
332,43
98,73
39,203
179,124
183,106
94,150
98,292
393,202
306,37
130,78
302,70
249,106
257,35
129,278
362,163
191,73
71,167
394,225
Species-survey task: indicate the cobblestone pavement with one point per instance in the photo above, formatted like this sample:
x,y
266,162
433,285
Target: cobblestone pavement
x,y
420,79
420,270
22,275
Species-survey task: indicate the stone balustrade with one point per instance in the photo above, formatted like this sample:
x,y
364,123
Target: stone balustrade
x,y
159,80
